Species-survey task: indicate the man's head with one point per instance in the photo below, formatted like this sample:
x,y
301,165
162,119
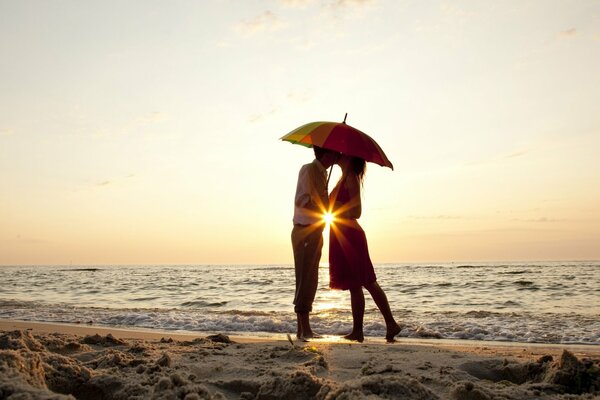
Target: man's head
x,y
325,156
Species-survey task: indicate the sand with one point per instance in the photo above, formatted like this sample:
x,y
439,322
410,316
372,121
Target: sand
x,y
54,361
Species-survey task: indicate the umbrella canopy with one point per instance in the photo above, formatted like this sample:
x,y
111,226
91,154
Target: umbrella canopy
x,y
339,136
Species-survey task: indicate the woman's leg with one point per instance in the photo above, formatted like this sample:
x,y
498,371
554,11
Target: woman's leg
x,y
357,299
384,306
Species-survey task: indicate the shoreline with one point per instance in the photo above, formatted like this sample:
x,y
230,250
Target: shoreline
x,y
586,350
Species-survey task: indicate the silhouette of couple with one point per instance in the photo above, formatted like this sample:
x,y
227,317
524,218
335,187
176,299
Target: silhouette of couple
x,y
350,266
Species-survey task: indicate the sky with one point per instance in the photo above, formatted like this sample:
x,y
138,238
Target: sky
x,y
146,132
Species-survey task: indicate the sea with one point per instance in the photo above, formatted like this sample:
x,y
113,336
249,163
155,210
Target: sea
x,y
530,302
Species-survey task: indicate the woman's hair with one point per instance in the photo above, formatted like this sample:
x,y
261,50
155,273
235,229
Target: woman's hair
x,y
359,167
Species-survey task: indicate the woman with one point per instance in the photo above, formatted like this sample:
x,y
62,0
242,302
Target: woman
x,y
350,266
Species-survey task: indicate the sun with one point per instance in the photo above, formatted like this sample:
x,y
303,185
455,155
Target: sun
x,y
328,218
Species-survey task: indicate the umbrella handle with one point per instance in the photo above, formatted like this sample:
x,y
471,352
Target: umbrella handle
x,y
328,176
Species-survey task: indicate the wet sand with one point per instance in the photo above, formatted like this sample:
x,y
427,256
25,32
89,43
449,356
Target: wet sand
x,y
56,361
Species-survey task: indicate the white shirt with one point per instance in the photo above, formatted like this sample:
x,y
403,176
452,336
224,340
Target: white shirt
x,y
311,200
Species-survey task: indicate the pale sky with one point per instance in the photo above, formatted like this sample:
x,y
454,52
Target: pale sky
x,y
146,132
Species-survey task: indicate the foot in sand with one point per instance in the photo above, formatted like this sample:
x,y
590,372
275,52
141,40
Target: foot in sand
x,y
356,337
310,335
389,336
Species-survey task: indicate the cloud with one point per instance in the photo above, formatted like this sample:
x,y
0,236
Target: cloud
x,y
293,98
341,8
7,132
436,217
330,9
296,3
537,220
569,33
332,4
265,22
134,125
113,182
350,3
26,240
299,97
516,154
153,117
456,11
260,116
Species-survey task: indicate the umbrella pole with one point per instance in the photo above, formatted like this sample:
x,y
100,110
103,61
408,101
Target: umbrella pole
x,y
328,176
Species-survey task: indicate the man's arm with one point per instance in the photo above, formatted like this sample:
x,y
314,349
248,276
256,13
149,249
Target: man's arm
x,y
307,196
303,190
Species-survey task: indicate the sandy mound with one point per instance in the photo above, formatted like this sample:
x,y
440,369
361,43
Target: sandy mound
x,y
384,387
22,376
30,368
108,340
17,340
465,390
298,385
566,375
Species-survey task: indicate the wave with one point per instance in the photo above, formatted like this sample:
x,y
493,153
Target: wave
x,y
472,325
523,283
520,272
80,269
142,298
203,303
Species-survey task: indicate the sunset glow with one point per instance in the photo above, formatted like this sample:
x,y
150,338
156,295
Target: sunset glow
x,y
148,133
328,218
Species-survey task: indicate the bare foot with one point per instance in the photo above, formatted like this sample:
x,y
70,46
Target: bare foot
x,y
311,335
389,336
356,337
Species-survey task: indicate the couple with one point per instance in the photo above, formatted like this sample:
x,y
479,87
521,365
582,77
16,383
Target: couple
x,y
350,266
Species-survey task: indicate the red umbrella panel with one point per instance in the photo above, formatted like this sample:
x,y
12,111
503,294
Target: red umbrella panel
x,y
341,137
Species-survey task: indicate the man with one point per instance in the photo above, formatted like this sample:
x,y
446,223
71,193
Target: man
x,y
311,202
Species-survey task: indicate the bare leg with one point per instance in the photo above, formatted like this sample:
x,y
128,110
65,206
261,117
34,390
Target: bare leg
x,y
384,306
304,328
299,330
357,299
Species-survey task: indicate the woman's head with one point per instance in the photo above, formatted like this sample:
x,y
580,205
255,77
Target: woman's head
x,y
350,164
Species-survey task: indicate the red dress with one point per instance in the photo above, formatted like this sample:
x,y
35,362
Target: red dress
x,y
349,263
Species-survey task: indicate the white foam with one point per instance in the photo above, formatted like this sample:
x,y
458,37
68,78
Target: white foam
x,y
496,327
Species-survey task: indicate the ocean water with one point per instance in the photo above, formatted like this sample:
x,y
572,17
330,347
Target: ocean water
x,y
546,302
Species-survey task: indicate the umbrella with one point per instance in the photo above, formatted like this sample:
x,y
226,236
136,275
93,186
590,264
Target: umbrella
x,y
339,136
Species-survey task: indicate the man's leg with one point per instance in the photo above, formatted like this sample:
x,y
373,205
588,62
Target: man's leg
x,y
307,244
314,246
298,239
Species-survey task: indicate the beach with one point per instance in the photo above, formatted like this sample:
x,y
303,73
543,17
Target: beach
x,y
61,361
208,199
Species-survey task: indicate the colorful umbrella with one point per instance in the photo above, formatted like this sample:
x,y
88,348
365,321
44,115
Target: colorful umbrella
x,y
339,136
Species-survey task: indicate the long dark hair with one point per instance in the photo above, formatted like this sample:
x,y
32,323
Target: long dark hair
x,y
359,167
